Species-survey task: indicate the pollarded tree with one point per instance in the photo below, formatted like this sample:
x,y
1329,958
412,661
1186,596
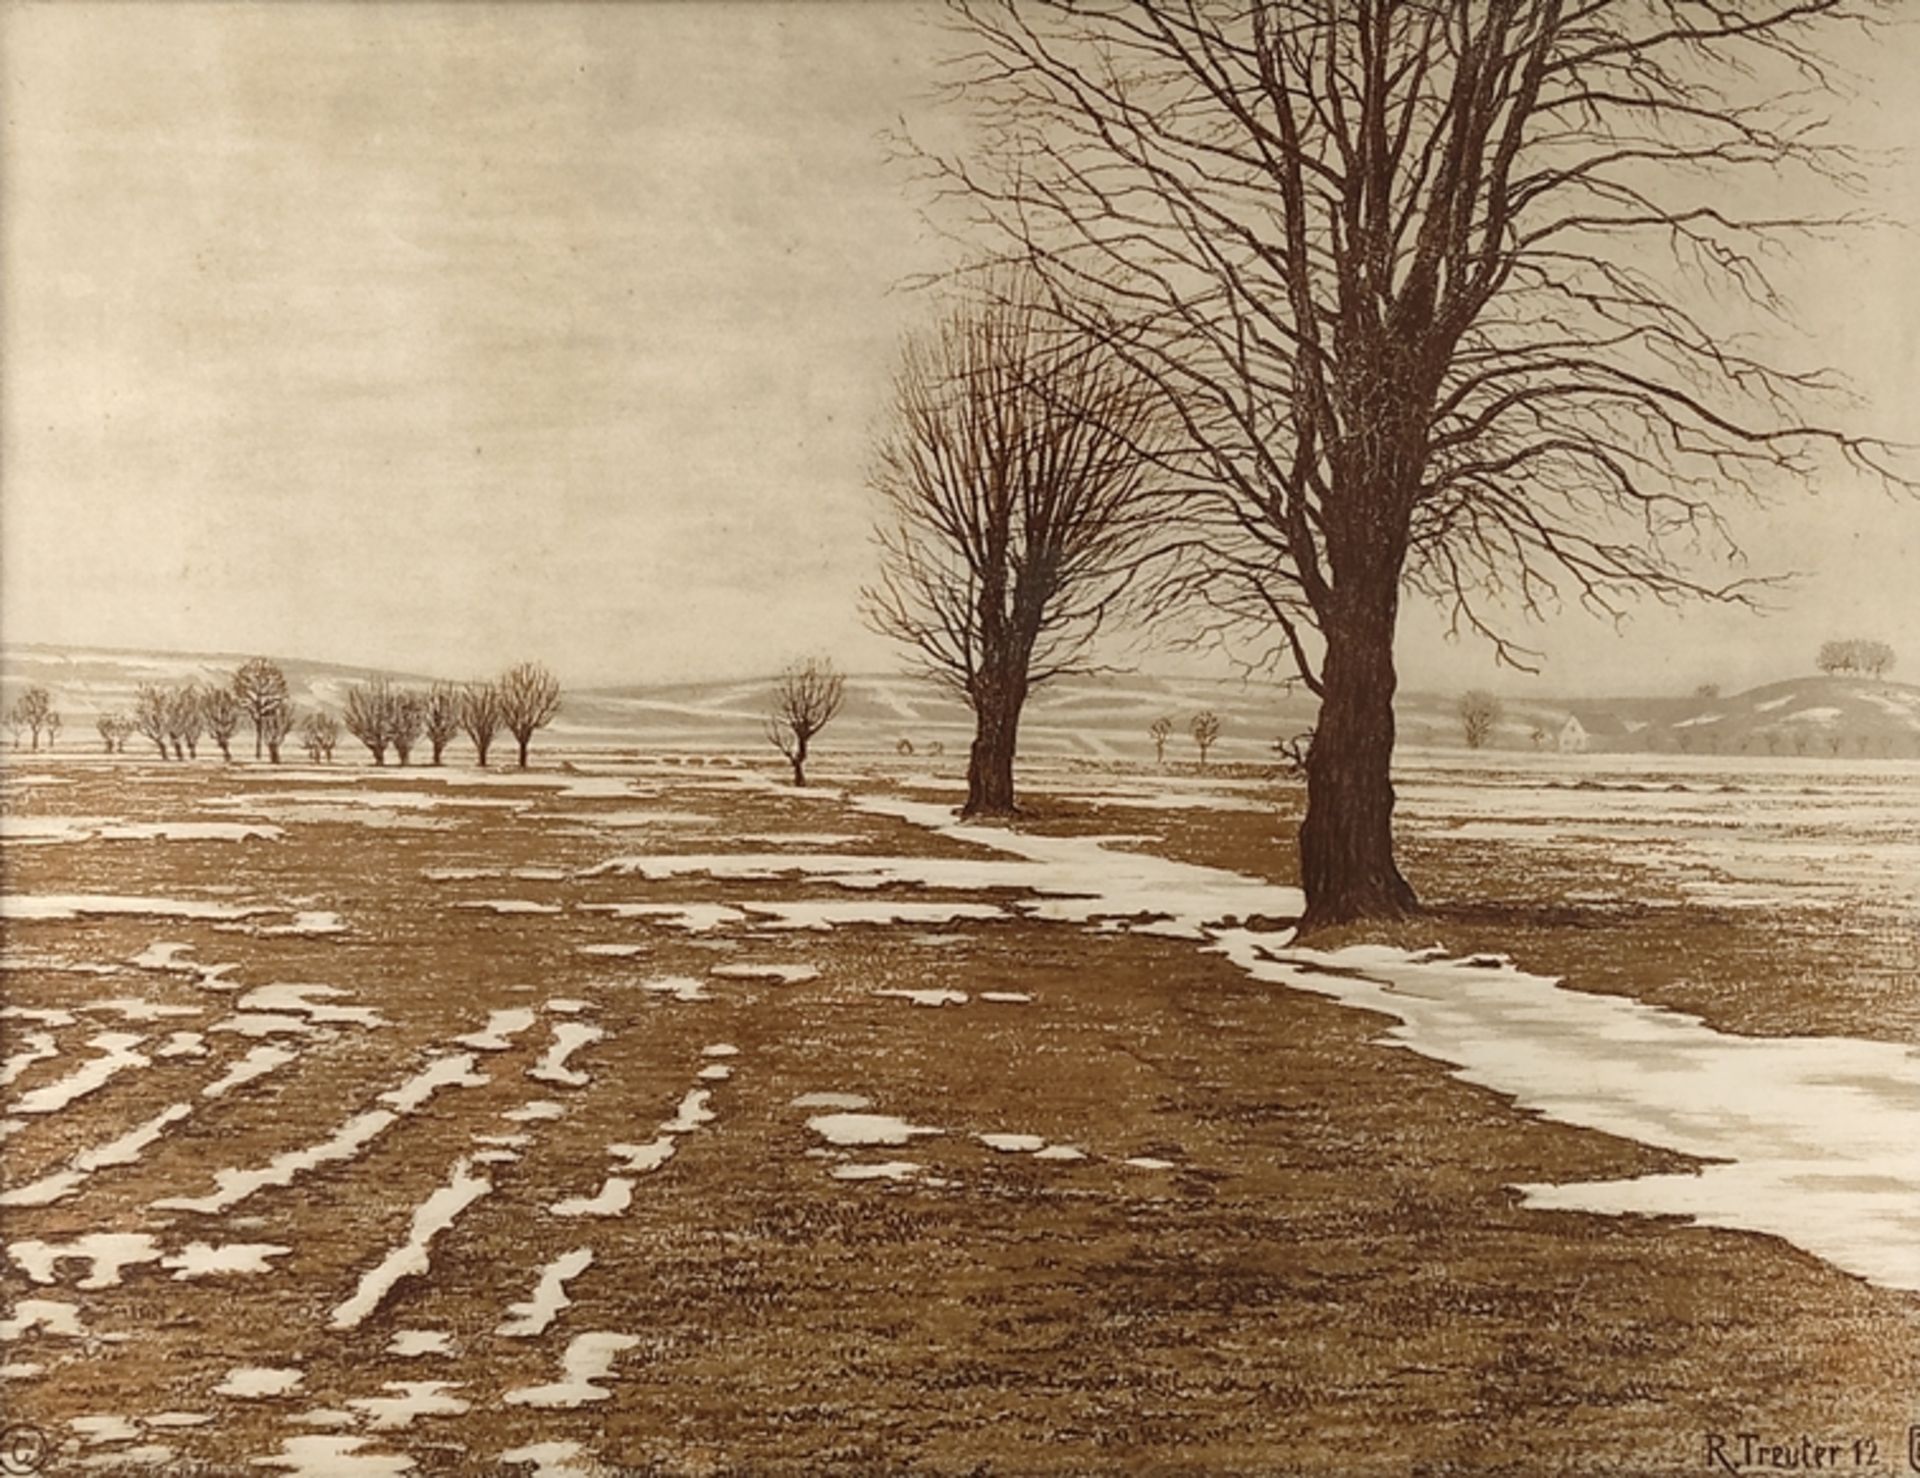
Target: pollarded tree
x,y
319,732
805,699
1423,282
529,699
261,688
480,717
1011,477
406,717
1479,714
1205,730
441,717
220,712
30,712
368,716
1160,731
150,714
184,720
279,723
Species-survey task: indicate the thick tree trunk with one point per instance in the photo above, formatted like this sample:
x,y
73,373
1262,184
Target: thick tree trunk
x,y
1346,840
523,750
997,705
480,752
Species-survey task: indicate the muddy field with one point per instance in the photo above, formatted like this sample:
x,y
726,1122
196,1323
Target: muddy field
x,y
654,1116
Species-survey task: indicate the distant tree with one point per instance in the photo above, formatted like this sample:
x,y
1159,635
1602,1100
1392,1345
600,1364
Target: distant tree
x,y
319,732
1294,754
150,715
1205,729
17,724
279,723
1479,712
1771,738
1537,735
903,747
406,717
109,730
29,713
529,699
368,716
1160,731
261,688
1012,475
52,724
1707,692
805,700
480,716
1835,656
441,716
1875,658
184,722
220,712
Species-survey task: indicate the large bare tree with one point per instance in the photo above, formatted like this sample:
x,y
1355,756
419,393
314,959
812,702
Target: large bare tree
x,y
441,715
261,687
1448,296
1011,476
805,699
150,714
185,720
480,717
369,716
529,699
220,711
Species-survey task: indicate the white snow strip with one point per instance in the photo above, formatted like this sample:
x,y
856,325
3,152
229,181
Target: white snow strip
x,y
548,1459
865,1129
680,987
19,907
540,1108
234,1186
137,1009
565,1007
717,1072
432,1217
453,1070
1006,997
415,1399
832,1101
691,918
693,1112
549,1296
1061,1152
204,1260
936,997
334,1457
257,1382
311,923
881,1170
50,829
613,952
1147,1162
640,1159
1022,1144
299,999
501,1025
781,974
836,913
509,905
258,1062
116,1056
568,1038
720,1049
182,1044
101,1431
130,1146
48,1314
614,1197
589,1358
410,1344
34,1047
108,1252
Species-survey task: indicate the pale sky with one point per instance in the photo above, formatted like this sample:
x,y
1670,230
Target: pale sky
x,y
436,336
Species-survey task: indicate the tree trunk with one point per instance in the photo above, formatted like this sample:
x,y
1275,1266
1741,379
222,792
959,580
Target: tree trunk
x,y
438,746
480,749
523,742
1346,840
997,704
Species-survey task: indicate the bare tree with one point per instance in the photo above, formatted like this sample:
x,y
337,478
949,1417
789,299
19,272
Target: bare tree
x,y
261,687
220,712
805,699
1160,731
406,717
441,716
108,727
480,716
1205,729
529,699
1011,478
279,723
184,721
52,724
1876,658
368,716
319,732
29,713
1835,656
1479,713
1396,269
150,715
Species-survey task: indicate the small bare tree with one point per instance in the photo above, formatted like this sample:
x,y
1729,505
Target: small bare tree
x,y
52,725
107,725
480,716
30,712
261,688
529,699
1479,712
150,715
368,716
319,732
406,717
1160,731
1205,729
1013,479
805,700
441,716
184,722
220,711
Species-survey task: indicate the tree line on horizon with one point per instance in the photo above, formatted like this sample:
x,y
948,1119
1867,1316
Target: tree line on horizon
x,y
386,717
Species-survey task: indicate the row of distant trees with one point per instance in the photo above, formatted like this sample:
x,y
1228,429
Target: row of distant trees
x,y
33,713
1203,728
386,717
1874,658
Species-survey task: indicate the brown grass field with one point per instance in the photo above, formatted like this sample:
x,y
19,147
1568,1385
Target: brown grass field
x,y
1333,1274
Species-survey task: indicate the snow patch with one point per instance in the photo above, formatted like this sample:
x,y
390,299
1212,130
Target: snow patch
x,y
589,1358
549,1296
432,1217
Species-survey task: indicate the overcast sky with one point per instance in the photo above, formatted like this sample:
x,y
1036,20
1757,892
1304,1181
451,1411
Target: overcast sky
x,y
436,336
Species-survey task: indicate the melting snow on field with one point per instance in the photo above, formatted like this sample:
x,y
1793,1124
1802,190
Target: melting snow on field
x,y
589,1358
432,1217
568,1038
549,1296
779,974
